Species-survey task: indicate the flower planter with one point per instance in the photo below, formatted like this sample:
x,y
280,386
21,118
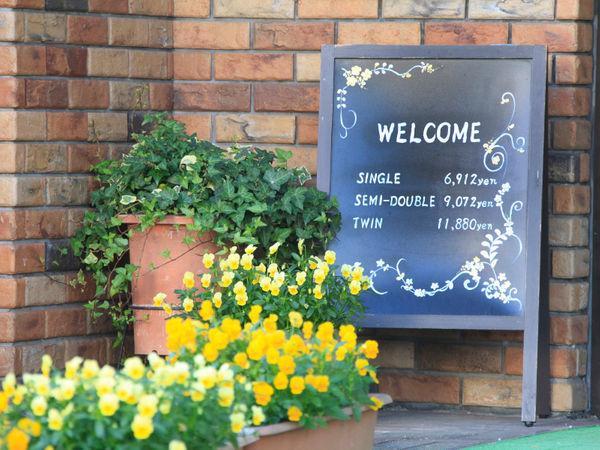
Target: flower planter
x,y
161,272
337,435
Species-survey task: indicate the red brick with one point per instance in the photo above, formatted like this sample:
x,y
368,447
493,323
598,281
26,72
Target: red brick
x,y
67,126
195,123
161,96
211,35
108,62
45,157
571,199
32,355
160,33
492,392
348,9
255,128
458,358
461,33
570,263
66,61
418,9
151,7
568,329
8,232
22,257
293,35
150,64
43,223
12,92
575,9
129,32
286,97
191,8
253,66
88,94
46,93
32,4
21,191
307,129
91,30
513,361
212,96
109,126
66,321
558,36
384,33
503,9
31,60
574,69
88,348
571,135
22,325
10,359
568,297
81,157
12,290
569,101
420,388
191,65
109,6
564,362
8,60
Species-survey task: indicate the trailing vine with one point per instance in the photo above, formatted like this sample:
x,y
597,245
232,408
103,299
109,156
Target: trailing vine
x,y
245,195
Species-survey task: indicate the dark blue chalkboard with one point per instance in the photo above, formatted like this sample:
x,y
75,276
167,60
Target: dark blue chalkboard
x,y
449,229
435,155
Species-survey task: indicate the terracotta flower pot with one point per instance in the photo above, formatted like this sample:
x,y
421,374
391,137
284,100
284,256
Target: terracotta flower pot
x,y
162,258
337,435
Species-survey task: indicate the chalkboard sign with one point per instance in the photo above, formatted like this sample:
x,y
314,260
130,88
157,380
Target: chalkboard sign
x,y
436,157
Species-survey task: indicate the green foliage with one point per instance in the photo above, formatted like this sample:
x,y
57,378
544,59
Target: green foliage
x,y
245,195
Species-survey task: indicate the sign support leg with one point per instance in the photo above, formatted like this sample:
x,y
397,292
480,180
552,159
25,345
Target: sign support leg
x,y
536,388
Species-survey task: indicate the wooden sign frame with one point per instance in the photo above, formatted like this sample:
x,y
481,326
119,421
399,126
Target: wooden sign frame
x,y
534,325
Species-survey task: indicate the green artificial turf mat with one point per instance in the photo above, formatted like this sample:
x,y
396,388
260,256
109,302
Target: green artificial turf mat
x,y
573,438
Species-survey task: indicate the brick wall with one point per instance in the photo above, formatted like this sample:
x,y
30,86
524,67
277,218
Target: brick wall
x,y
73,74
248,71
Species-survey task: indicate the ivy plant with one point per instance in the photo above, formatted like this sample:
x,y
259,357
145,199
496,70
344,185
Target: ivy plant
x,y
245,195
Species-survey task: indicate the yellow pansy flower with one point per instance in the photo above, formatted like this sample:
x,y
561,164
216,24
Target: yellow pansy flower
x,y
263,392
142,427
108,404
55,420
39,406
205,280
227,278
217,299
258,416
188,280
254,314
297,385
273,248
208,260
16,439
188,304
159,299
294,413
295,319
177,445
370,349
280,381
329,257
301,278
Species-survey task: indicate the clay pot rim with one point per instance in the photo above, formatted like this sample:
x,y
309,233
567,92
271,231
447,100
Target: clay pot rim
x,y
282,427
134,219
